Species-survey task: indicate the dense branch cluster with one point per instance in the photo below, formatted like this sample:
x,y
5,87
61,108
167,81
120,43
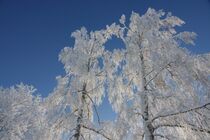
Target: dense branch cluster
x,y
157,88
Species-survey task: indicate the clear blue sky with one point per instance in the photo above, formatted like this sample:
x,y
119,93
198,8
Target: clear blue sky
x,y
32,32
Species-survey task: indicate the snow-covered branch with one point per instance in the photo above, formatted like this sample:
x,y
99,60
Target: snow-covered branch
x,y
184,126
96,131
204,106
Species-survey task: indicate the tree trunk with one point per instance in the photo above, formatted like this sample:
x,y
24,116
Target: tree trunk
x,y
80,117
148,128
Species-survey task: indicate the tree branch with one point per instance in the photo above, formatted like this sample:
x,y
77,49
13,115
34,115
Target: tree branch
x,y
147,83
94,106
180,112
96,131
181,126
86,94
95,87
162,136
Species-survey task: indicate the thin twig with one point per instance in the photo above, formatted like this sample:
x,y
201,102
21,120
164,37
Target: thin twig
x,y
96,131
94,106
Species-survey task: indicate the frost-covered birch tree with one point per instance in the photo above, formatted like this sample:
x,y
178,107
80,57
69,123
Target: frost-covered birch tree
x,y
74,101
21,113
158,89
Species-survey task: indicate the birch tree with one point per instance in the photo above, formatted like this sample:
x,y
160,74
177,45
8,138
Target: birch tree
x,y
158,89
20,113
81,90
